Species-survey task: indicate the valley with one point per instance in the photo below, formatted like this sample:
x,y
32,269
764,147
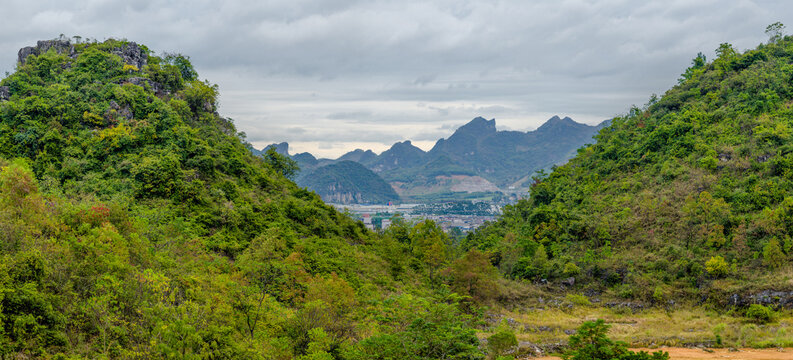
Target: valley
x,y
137,222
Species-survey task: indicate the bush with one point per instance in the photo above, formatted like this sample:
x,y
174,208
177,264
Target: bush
x,y
502,341
717,267
578,299
759,313
571,269
773,256
591,343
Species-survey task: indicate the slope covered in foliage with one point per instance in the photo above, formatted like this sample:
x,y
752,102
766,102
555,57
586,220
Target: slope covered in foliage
x,y
348,182
136,223
686,197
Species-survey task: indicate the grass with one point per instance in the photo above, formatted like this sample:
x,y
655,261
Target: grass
x,y
653,327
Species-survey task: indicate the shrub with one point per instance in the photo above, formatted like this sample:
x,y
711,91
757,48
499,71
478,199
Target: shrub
x,y
591,343
717,267
571,269
502,341
658,295
578,299
759,313
773,256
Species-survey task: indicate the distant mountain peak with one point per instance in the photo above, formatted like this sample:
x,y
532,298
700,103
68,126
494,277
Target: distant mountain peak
x,y
557,119
556,122
478,125
281,148
405,145
359,155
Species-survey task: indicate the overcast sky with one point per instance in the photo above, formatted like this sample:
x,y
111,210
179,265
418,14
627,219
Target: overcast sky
x,y
331,76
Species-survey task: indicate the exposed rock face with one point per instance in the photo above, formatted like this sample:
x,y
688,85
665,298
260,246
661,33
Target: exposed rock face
x,y
124,111
42,46
281,148
5,93
766,297
132,54
144,83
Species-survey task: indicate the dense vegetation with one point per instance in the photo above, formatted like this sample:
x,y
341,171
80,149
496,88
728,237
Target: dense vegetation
x,y
688,197
136,223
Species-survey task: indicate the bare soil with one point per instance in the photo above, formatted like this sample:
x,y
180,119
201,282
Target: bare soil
x,y
741,354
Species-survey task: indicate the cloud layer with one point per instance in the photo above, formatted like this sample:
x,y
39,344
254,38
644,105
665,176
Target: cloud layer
x,y
329,76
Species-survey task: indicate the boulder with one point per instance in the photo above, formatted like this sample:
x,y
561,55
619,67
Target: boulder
x,y
5,93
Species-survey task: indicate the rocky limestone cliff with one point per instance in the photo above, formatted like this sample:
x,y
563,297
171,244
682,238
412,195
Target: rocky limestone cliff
x,y
131,53
42,46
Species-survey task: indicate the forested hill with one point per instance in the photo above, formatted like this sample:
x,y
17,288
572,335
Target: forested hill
x,y
688,196
348,182
136,223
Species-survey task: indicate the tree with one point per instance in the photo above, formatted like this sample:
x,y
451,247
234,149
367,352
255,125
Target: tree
x,y
697,67
428,243
773,256
775,32
474,275
183,64
726,51
281,164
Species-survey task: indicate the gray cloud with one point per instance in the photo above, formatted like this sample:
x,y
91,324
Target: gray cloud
x,y
356,72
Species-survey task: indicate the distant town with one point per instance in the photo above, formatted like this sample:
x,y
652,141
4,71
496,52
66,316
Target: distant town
x,y
465,215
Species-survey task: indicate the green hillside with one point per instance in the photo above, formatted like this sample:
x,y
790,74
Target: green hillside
x,y
136,223
688,197
348,182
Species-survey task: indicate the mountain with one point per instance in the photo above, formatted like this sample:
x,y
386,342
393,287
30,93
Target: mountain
x,y
281,148
484,158
338,181
400,155
504,157
348,182
688,197
305,160
476,158
136,223
359,156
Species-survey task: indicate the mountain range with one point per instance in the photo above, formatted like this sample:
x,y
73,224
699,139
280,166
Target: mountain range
x,y
476,161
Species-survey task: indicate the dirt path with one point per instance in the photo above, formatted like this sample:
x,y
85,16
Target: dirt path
x,y
742,354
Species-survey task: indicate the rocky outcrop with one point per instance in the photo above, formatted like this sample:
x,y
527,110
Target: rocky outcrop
x,y
116,109
42,46
144,83
766,297
5,93
132,54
